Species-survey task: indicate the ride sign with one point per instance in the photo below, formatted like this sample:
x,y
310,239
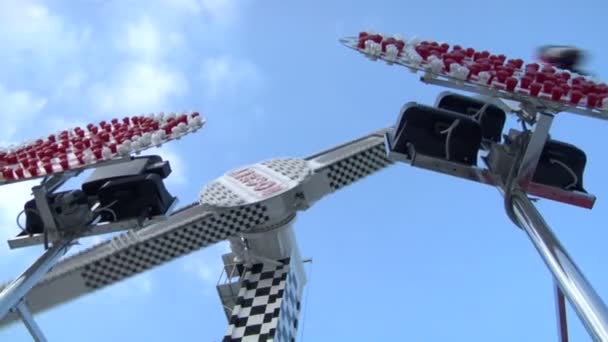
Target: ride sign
x,y
256,182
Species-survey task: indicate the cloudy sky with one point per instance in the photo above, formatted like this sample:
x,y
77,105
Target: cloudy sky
x,y
416,262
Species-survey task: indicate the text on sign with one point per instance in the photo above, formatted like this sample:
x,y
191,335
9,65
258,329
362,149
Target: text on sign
x,y
257,182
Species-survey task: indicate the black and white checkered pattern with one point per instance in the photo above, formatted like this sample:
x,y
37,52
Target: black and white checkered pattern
x,y
357,166
219,195
135,255
295,169
287,326
267,306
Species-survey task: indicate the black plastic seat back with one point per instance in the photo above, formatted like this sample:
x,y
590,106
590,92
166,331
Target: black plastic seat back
x,y
33,221
136,166
437,133
491,119
136,197
561,165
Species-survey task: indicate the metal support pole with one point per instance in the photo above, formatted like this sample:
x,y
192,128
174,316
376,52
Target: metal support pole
x,y
562,321
586,302
18,289
29,322
534,148
46,215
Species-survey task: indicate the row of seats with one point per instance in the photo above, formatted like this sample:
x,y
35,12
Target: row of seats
x,y
502,73
460,126
133,189
78,147
455,130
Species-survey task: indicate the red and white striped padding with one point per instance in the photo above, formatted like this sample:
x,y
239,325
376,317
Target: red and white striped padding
x,y
486,69
80,148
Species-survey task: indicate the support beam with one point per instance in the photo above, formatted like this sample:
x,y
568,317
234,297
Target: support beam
x,y
48,219
534,148
18,289
586,302
562,320
29,322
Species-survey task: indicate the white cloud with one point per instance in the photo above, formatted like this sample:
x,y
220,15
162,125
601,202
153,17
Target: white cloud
x,y
25,23
27,26
140,87
145,82
226,75
69,88
17,107
143,40
217,12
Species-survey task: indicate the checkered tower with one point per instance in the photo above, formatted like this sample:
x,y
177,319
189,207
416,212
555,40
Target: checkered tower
x,y
266,300
268,304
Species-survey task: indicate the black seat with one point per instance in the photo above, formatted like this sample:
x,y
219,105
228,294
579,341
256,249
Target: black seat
x,y
136,166
437,133
68,207
561,165
490,117
139,196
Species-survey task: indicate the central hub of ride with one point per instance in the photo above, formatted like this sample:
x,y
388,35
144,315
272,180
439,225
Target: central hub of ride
x,y
275,183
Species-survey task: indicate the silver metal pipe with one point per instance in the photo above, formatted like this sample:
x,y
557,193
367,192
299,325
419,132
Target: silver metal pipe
x,y
30,323
586,302
562,317
534,149
18,289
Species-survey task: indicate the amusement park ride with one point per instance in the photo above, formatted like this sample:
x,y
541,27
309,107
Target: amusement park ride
x,y
254,207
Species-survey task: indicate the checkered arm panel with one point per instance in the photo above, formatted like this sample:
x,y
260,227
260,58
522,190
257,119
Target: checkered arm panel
x,y
139,250
153,251
353,161
356,167
268,306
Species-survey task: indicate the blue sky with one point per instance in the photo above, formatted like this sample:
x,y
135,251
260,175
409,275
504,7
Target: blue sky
x,y
402,255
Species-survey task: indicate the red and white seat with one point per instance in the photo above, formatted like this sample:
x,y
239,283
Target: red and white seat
x,y
480,67
79,148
